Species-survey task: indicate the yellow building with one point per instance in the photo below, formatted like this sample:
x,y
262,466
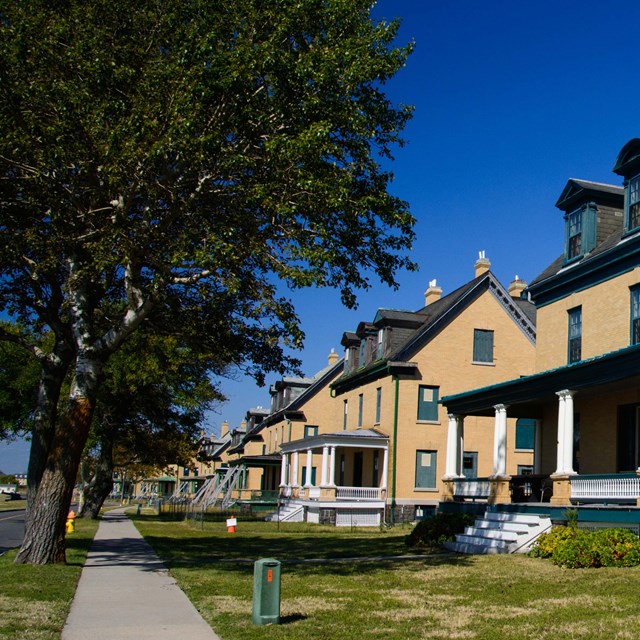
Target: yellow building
x,y
371,440
585,394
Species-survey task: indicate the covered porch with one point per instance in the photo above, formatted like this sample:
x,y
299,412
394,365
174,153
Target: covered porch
x,y
338,478
587,434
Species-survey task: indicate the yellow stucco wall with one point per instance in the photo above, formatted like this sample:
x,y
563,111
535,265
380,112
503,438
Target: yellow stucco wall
x,y
446,362
605,321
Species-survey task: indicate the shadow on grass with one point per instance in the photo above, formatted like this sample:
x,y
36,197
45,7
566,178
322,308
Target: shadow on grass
x,y
299,553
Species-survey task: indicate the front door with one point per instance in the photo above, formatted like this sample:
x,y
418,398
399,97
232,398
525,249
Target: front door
x,y
357,469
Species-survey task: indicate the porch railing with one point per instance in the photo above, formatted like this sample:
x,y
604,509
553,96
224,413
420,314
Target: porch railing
x,y
471,488
358,493
610,487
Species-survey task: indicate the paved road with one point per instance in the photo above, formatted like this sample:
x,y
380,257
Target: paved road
x,y
11,529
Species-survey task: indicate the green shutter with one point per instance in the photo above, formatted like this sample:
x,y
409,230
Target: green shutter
x,y
427,403
482,345
589,221
426,463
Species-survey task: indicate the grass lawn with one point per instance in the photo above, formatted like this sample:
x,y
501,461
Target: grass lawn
x,y
35,600
480,597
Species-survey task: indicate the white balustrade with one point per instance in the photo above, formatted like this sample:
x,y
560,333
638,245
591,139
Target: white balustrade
x,y
472,488
358,493
605,488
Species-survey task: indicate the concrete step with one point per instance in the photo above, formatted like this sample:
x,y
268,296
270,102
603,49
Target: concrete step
x,y
493,534
516,527
471,549
482,541
521,518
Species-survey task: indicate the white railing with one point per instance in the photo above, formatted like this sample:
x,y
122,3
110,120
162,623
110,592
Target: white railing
x,y
605,488
472,488
358,493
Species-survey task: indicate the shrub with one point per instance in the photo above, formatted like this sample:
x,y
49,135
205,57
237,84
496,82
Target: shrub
x,y
546,543
574,548
438,529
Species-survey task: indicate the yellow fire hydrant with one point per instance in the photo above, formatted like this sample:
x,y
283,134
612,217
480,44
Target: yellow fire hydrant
x,y
71,522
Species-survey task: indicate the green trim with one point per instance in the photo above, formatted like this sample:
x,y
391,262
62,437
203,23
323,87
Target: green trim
x,y
395,448
588,272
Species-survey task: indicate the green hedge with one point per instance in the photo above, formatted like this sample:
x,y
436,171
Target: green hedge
x,y
439,529
575,548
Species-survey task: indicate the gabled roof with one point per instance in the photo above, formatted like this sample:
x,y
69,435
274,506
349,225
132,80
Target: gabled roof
x,y
577,191
434,318
293,409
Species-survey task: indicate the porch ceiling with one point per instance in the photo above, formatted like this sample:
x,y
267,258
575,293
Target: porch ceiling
x,y
527,396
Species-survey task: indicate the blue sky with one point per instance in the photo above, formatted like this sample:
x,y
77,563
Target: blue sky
x,y
512,98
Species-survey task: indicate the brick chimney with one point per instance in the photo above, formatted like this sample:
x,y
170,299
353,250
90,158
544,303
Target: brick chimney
x,y
224,428
482,265
517,287
333,357
433,293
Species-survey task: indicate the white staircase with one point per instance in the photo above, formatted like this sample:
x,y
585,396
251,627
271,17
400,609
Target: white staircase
x,y
290,511
500,533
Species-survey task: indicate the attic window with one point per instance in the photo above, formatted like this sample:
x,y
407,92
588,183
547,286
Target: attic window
x,y
580,232
633,204
574,235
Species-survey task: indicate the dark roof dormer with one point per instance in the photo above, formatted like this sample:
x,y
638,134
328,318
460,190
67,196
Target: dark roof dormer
x,y
593,212
628,166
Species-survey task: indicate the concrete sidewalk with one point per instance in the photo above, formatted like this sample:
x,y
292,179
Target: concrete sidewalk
x,y
126,593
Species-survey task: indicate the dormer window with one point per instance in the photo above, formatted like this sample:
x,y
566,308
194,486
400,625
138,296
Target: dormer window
x,y
363,351
580,231
574,232
633,204
380,344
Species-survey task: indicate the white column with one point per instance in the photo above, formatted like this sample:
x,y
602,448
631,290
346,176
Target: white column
x,y
560,434
283,469
568,433
332,468
385,468
460,444
453,456
500,441
537,446
309,465
325,462
296,465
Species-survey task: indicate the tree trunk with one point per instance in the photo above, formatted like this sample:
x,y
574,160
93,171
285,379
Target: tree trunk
x,y
42,434
44,540
101,484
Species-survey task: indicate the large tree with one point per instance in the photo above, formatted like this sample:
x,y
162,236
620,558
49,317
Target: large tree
x,y
183,156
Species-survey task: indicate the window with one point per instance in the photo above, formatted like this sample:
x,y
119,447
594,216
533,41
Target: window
x,y
633,203
363,351
360,408
428,403
525,433
482,345
195,472
575,334
310,431
380,344
470,464
186,472
378,404
426,462
635,315
345,414
580,231
574,235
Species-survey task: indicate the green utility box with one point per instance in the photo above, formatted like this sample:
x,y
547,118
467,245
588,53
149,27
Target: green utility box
x,y
266,591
